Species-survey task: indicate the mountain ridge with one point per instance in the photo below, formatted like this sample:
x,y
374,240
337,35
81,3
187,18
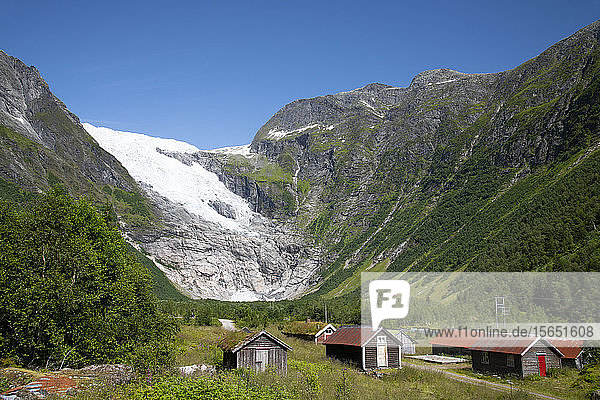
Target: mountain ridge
x,y
518,120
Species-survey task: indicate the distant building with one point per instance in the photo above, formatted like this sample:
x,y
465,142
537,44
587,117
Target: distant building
x,y
408,343
572,351
364,347
255,352
308,330
324,333
521,356
453,343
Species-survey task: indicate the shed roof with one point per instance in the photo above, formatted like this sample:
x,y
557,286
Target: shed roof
x,y
355,336
303,327
455,338
511,344
569,348
236,341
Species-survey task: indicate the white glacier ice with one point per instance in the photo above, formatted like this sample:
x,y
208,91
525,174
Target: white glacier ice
x,y
191,186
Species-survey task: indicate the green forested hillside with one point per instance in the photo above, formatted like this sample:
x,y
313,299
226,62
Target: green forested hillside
x,y
482,172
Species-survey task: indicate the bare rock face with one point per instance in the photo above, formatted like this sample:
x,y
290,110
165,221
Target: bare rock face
x,y
208,241
206,260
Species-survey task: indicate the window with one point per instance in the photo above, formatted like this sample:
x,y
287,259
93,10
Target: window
x,y
381,340
485,358
510,360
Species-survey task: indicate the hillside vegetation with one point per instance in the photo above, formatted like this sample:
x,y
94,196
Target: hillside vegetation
x,y
480,172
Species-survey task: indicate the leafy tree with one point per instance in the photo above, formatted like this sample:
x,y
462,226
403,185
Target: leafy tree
x,y
70,292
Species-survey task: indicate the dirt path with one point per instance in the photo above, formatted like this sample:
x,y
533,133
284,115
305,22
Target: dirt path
x,y
474,381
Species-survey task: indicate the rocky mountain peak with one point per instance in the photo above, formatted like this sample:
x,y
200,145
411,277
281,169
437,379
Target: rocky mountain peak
x,y
436,76
375,87
39,130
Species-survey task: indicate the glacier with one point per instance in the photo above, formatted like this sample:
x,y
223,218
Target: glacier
x,y
191,186
210,243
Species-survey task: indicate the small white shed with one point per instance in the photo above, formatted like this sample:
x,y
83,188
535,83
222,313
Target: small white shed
x,y
408,343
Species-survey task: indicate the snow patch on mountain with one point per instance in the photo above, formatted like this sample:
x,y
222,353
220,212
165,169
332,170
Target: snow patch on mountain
x,y
190,186
278,134
243,150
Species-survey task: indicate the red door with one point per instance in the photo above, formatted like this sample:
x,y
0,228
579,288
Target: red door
x,y
542,364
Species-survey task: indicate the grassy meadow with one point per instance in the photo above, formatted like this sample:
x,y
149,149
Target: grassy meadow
x,y
311,376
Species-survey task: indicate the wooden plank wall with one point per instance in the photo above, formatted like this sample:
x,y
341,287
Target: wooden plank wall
x,y
344,353
530,361
497,363
246,357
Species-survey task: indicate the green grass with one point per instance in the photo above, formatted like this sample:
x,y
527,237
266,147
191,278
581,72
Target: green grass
x,y
561,383
15,139
312,376
270,173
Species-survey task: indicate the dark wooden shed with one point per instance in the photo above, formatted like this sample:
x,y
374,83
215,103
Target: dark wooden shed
x,y
257,352
364,347
521,356
572,351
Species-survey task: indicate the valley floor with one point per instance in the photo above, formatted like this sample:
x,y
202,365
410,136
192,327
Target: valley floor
x,y
312,376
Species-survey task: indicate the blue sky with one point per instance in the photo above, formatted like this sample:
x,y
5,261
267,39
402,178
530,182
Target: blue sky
x,y
212,72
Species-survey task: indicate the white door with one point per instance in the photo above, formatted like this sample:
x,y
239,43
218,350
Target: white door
x,y
382,356
262,359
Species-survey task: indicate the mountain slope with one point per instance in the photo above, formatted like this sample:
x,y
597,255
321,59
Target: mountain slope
x,y
206,239
449,173
42,143
457,171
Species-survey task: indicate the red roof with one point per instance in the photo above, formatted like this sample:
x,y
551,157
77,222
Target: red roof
x,y
509,345
349,335
455,338
569,348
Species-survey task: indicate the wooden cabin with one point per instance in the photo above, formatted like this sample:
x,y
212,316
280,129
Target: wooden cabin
x,y
572,351
453,343
254,351
308,330
364,347
521,356
408,343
